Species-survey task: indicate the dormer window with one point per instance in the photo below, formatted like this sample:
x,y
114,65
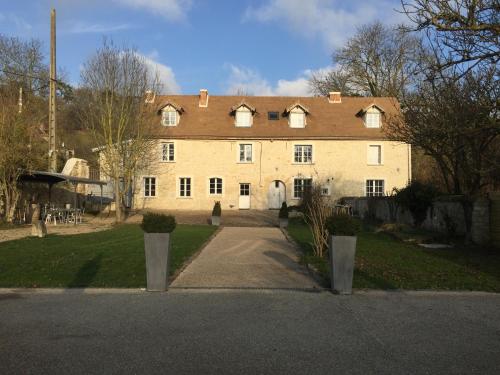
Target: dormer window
x,y
243,115
296,116
372,116
170,114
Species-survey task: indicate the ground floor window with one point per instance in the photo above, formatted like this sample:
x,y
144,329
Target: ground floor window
x,y
185,186
149,186
215,185
300,185
374,188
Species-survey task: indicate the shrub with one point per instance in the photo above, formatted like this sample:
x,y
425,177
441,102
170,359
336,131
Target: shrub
x,y
416,198
342,225
217,211
283,214
158,223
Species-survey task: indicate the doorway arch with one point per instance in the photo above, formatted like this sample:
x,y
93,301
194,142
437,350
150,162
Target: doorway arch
x,y
276,194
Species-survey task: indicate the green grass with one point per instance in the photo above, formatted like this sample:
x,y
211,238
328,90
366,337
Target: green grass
x,y
383,262
111,258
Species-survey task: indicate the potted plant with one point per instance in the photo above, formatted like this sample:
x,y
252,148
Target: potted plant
x,y
283,215
157,229
216,212
342,230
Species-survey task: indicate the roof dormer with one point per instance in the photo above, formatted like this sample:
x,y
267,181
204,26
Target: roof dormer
x,y
243,115
296,115
170,114
372,116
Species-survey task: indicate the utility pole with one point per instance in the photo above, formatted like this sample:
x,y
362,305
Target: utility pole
x,y
52,95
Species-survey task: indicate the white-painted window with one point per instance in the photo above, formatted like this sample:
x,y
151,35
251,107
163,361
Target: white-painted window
x,y
325,190
302,154
374,188
168,151
297,119
300,185
245,153
215,185
169,117
372,119
243,117
149,186
185,186
374,154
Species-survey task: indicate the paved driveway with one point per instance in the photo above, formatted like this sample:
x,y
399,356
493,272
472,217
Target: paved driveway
x,y
244,257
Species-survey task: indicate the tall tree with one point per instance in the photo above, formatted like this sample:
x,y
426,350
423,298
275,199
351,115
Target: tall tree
x,y
114,83
456,122
377,61
462,33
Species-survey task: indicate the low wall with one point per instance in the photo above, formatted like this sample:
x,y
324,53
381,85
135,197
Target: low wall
x,y
443,216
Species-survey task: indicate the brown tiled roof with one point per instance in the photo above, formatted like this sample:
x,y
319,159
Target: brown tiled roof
x,y
325,120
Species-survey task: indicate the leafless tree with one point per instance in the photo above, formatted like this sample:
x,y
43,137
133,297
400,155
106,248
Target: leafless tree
x,y
456,122
322,83
377,61
115,82
462,33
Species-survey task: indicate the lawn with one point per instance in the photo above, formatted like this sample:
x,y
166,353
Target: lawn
x,y
383,262
111,258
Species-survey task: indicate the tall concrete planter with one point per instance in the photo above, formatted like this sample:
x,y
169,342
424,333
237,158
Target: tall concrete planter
x,y
157,229
216,220
342,254
157,251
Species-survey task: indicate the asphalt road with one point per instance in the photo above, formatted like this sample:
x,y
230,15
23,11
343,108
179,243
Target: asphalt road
x,y
248,332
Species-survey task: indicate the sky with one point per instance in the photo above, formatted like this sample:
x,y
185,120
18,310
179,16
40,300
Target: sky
x,y
260,47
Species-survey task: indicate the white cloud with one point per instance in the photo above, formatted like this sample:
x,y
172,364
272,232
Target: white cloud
x,y
165,74
84,28
172,10
245,80
18,22
331,20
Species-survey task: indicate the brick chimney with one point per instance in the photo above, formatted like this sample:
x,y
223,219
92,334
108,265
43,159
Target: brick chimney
x,y
203,98
334,97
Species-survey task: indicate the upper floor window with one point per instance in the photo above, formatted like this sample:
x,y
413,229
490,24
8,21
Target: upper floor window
x,y
243,117
297,118
374,154
245,153
185,187
149,186
215,185
302,154
273,115
167,151
169,116
374,188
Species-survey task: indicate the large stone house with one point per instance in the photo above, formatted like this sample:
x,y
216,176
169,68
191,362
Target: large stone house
x,y
256,152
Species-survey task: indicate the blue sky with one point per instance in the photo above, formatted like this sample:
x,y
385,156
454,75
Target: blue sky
x,y
263,47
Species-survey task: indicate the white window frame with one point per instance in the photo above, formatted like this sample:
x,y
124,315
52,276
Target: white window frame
x,y
370,116
166,116
162,154
302,153
237,117
179,190
380,156
149,189
326,190
292,114
221,185
294,191
373,192
238,157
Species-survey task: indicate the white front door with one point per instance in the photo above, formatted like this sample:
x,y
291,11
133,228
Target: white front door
x,y
244,201
276,194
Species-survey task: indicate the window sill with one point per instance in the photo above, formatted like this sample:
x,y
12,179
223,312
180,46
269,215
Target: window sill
x,y
375,165
295,163
167,161
244,162
149,197
242,126
169,126
184,197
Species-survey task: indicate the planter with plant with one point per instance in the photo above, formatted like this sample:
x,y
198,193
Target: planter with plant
x,y
283,215
216,212
157,229
342,231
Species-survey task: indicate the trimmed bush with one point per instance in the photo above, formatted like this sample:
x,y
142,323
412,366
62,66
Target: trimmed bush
x,y
417,198
217,211
342,225
283,214
158,223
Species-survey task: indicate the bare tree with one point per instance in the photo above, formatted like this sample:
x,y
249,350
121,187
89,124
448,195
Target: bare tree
x,y
322,83
456,122
461,33
115,82
377,61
